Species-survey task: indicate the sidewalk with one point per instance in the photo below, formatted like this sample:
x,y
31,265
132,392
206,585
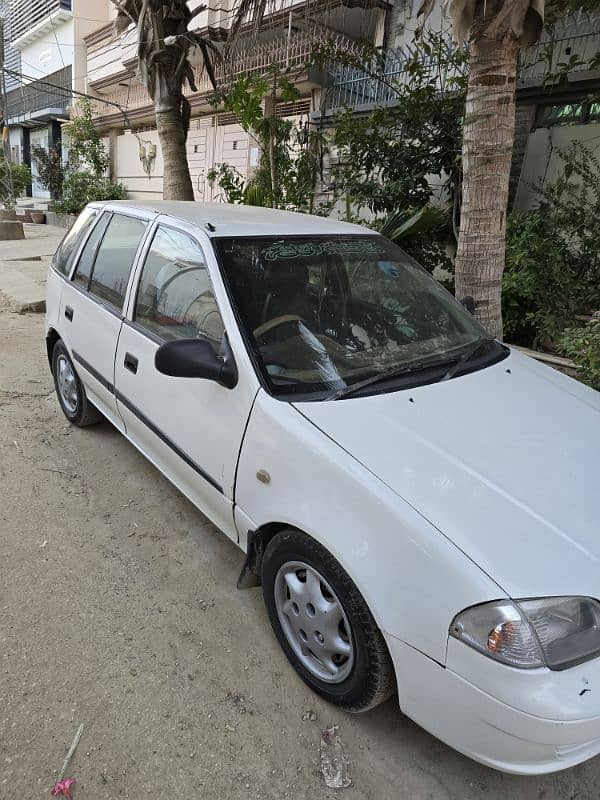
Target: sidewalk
x,y
23,268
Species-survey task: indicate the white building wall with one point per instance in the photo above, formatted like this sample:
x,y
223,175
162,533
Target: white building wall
x,y
542,163
49,54
208,144
129,169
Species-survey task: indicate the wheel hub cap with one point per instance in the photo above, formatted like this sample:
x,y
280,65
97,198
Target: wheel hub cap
x,y
67,384
314,622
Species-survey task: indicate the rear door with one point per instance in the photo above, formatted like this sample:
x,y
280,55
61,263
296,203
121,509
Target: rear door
x,y
92,304
190,428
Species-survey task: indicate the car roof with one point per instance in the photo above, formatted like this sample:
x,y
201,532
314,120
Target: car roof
x,y
238,220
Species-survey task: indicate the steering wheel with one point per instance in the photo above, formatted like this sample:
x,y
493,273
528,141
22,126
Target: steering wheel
x,y
270,324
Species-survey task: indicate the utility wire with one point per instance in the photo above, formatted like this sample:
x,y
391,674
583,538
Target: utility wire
x,y
23,78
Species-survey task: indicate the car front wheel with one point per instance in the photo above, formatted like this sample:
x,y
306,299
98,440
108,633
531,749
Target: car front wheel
x,y
323,623
69,390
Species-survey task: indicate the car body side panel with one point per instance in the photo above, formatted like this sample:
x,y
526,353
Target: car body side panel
x,y
413,579
54,287
90,336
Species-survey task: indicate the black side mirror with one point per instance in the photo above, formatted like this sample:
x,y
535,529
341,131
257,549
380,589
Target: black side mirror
x,y
195,358
469,303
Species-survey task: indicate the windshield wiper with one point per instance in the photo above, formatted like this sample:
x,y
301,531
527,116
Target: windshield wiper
x,y
393,372
456,364
466,356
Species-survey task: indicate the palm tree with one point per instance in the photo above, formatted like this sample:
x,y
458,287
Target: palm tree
x,y
496,30
164,44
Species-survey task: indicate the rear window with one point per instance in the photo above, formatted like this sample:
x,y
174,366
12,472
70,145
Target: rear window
x,y
63,258
115,258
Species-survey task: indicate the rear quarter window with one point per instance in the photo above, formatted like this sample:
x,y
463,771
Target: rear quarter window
x,y
63,258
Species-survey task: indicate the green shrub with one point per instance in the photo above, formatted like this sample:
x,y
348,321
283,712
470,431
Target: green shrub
x,y
552,267
86,148
50,169
81,188
582,345
21,175
539,294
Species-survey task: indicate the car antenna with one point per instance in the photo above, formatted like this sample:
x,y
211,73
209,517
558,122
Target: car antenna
x,y
210,226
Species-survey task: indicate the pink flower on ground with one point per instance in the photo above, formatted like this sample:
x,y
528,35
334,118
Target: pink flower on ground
x,y
63,788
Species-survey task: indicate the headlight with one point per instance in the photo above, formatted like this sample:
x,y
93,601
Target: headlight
x,y
554,632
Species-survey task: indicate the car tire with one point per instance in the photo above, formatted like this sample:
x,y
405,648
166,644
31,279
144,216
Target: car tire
x,y
306,589
70,392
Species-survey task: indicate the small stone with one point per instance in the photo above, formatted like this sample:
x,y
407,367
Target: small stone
x,y
309,716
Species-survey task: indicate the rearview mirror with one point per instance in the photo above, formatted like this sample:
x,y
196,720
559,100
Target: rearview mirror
x,y
195,358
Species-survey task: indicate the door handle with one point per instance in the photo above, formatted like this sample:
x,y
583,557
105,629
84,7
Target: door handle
x,y
131,363
69,313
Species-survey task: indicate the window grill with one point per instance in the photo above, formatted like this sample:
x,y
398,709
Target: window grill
x,y
37,95
26,14
293,109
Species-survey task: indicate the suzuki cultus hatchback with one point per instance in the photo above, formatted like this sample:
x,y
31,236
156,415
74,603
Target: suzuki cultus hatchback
x,y
420,503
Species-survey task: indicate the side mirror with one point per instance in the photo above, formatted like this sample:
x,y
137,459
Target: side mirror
x,y
195,358
469,303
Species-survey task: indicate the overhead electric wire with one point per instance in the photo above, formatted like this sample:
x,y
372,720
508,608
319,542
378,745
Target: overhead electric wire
x,y
23,78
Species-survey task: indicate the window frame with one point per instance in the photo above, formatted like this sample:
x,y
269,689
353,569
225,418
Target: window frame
x,y
148,218
75,256
86,288
587,116
102,300
129,318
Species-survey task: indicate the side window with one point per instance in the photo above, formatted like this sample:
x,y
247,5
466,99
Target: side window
x,y
68,247
115,257
88,254
175,299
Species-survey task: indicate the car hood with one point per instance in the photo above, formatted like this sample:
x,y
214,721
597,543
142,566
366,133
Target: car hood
x,y
503,462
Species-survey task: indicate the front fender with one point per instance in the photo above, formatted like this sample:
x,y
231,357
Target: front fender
x,y
413,579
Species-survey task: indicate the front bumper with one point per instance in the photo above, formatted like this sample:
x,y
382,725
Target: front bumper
x,y
525,722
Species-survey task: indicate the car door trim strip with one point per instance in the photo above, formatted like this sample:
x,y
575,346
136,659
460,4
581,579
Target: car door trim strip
x,y
93,372
164,438
144,419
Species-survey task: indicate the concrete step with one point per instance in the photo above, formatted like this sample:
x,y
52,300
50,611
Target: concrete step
x,y
23,285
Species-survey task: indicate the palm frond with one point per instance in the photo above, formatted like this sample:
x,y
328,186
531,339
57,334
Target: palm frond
x,y
211,55
402,223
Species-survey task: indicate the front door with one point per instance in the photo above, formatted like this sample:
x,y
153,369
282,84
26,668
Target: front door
x,y
190,428
92,305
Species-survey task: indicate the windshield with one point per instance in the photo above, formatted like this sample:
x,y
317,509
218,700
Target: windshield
x,y
323,313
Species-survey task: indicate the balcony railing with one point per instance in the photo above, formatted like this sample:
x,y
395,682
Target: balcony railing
x,y
29,100
293,52
576,52
377,83
573,49
26,14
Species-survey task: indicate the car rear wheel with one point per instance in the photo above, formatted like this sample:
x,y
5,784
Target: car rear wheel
x,y
69,390
323,623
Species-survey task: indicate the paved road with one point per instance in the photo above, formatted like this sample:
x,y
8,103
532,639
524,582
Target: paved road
x,y
118,609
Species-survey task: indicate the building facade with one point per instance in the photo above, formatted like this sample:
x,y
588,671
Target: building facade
x,y
46,42
55,47
290,35
557,91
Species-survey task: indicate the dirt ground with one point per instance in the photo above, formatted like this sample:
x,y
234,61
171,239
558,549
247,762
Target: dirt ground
x,y
118,609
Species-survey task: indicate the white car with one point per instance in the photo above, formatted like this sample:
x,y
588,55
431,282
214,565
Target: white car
x,y
420,502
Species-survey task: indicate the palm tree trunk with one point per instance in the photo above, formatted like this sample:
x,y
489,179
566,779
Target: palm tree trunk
x,y
486,158
177,183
